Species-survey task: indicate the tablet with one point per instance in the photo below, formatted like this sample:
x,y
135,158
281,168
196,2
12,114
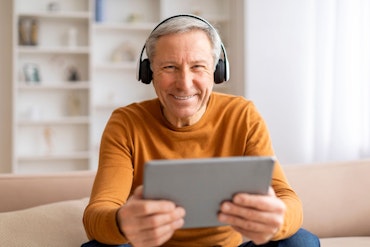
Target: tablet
x,y
200,185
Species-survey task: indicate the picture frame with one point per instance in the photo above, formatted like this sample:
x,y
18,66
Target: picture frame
x,y
31,73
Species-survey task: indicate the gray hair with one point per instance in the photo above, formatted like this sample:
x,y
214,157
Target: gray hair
x,y
183,24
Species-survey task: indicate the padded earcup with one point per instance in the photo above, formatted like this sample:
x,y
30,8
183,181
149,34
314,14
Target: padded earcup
x,y
220,73
145,73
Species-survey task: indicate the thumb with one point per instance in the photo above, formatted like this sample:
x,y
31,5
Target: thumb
x,y
138,193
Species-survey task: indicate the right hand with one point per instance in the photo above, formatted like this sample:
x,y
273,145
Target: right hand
x,y
149,222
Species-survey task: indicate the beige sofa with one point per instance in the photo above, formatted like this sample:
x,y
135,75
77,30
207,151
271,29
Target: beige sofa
x,y
46,210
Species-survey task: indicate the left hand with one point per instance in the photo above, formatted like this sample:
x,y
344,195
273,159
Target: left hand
x,y
257,217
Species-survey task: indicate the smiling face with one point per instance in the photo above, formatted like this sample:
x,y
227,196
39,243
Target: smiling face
x,y
183,76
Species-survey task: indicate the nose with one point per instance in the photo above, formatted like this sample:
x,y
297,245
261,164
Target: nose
x,y
184,78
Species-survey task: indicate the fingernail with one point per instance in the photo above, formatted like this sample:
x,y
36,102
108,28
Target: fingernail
x,y
226,206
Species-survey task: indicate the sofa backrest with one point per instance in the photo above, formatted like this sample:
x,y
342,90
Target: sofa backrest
x,y
24,191
335,197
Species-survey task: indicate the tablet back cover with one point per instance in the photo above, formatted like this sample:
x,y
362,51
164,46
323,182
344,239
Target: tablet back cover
x,y
200,185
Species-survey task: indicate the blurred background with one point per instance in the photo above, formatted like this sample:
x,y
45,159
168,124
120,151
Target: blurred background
x,y
65,65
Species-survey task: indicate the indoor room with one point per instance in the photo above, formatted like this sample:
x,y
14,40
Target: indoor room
x,y
67,65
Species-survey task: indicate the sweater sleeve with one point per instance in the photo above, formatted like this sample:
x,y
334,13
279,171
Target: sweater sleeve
x,y
106,198
259,144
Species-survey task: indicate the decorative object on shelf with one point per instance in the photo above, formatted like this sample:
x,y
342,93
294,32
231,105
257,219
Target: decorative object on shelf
x,y
72,36
28,31
73,74
53,6
34,32
48,138
125,52
134,17
31,73
74,105
99,10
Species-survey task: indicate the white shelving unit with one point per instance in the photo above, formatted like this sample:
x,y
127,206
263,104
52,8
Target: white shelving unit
x,y
57,123
51,115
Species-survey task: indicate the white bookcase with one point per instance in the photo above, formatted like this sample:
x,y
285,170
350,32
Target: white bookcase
x,y
58,122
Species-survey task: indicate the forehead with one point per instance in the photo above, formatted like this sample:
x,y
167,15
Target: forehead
x,y
191,42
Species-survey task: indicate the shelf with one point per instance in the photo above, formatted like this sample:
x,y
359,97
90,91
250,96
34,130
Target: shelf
x,y
56,14
124,26
53,49
59,156
54,86
57,121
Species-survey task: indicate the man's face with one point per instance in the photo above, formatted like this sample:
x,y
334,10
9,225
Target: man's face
x,y
183,76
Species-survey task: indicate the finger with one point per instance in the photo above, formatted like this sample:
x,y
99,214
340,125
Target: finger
x,y
250,214
138,192
158,236
161,219
260,202
147,234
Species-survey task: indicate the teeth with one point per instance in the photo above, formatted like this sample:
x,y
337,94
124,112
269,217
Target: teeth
x,y
183,97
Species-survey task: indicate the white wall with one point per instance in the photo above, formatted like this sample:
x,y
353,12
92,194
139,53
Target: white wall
x,y
5,84
278,71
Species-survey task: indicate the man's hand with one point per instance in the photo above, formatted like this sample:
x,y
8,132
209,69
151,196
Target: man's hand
x,y
257,217
149,222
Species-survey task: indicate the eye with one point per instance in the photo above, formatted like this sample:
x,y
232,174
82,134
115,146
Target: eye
x,y
198,67
169,68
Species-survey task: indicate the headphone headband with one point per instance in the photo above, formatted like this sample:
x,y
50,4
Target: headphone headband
x,y
144,72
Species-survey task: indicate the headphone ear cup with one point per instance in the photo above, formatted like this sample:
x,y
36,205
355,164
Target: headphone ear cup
x,y
145,73
219,74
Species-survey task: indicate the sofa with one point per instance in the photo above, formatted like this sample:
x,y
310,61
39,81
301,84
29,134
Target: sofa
x,y
46,210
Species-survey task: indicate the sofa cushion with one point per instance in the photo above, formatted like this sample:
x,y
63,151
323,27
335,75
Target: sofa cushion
x,y
55,224
334,196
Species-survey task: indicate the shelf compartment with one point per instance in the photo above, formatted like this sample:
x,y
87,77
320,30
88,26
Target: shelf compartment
x,y
52,140
83,15
53,66
82,155
137,12
64,6
54,85
60,105
56,121
53,49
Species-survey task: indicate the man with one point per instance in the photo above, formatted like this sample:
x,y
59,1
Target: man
x,y
187,120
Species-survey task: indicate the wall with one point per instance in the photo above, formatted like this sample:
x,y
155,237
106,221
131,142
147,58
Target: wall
x,y
5,84
277,71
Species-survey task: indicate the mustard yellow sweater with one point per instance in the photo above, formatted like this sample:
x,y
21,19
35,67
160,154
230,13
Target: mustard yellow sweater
x,y
231,126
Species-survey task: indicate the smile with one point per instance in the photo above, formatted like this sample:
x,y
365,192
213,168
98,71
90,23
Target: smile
x,y
183,97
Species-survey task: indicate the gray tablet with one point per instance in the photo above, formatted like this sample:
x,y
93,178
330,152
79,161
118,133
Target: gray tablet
x,y
200,185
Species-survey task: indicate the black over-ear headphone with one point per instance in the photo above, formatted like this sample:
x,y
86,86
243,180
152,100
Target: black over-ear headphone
x,y
221,74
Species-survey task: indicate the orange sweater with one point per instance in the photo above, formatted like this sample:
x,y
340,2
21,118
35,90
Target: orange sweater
x,y
231,126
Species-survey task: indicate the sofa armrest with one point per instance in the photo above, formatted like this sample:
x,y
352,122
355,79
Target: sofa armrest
x,y
23,191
